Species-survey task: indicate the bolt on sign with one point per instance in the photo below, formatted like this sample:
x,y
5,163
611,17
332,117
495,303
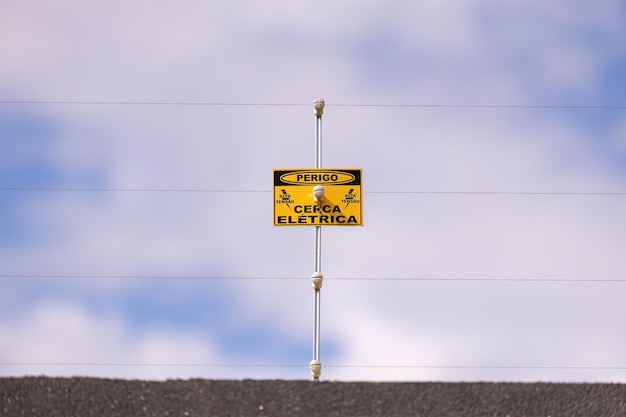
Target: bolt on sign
x,y
317,197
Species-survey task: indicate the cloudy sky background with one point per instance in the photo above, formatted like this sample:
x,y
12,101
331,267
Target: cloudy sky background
x,y
175,269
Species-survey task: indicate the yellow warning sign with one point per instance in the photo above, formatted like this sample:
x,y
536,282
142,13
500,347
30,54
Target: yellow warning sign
x,y
317,197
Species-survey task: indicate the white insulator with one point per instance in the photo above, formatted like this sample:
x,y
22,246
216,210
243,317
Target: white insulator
x,y
316,368
316,280
318,194
318,105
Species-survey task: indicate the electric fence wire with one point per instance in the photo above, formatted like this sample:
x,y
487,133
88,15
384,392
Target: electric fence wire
x,y
276,365
276,278
357,105
244,191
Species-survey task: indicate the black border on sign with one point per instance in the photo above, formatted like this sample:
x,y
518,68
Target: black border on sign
x,y
280,172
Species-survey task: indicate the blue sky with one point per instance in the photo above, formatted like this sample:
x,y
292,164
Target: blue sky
x,y
464,285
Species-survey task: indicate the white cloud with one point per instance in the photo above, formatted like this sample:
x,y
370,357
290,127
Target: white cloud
x,y
61,337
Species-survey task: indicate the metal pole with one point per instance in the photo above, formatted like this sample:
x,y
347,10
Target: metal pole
x,y
318,135
315,365
318,270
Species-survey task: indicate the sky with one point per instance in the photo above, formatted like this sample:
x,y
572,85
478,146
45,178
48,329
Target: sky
x,y
137,145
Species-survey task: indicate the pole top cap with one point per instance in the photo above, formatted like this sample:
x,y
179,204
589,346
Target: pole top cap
x,y
318,105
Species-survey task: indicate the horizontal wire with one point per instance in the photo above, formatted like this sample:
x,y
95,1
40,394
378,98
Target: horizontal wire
x,y
481,367
486,106
130,364
153,103
362,105
347,366
132,190
268,278
499,192
244,191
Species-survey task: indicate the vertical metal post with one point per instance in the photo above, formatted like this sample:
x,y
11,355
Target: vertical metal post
x,y
315,365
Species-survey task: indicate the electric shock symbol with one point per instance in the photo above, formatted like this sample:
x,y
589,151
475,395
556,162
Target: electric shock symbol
x,y
350,197
285,198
